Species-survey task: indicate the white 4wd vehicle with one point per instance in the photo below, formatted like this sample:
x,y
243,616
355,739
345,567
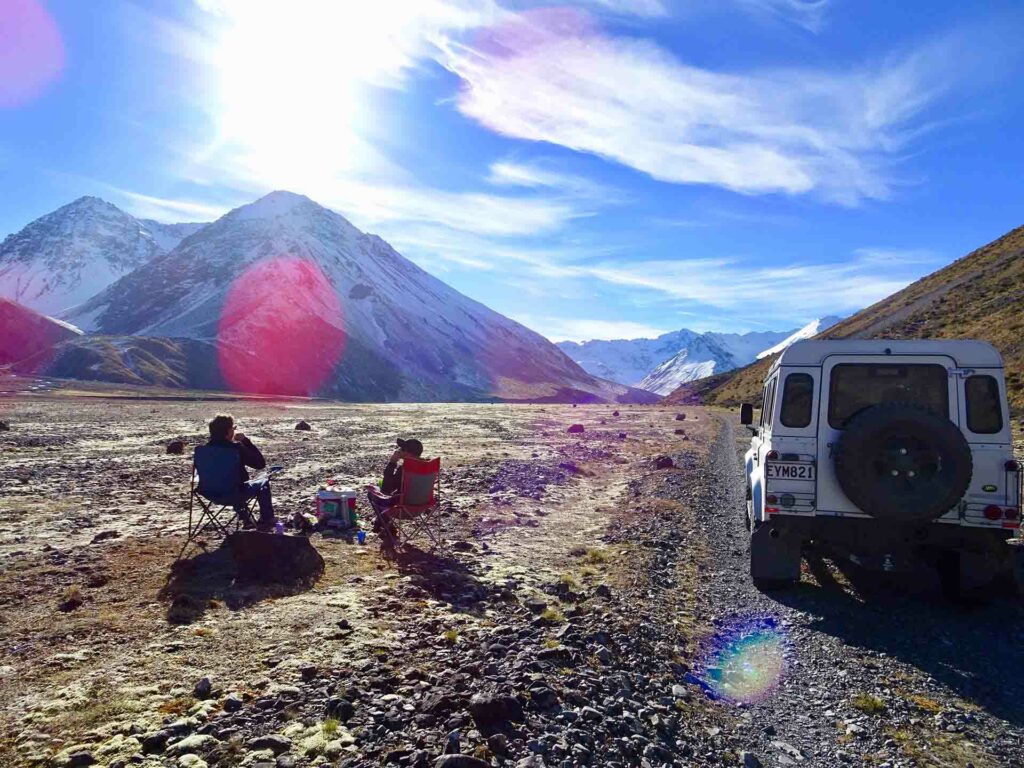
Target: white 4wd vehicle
x,y
888,452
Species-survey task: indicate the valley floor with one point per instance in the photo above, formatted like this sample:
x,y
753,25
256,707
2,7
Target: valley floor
x,y
587,607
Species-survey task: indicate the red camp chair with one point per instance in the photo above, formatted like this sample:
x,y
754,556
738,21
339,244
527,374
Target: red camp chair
x,y
416,512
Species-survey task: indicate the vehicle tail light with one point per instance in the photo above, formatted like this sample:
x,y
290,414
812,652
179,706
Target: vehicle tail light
x,y
1011,514
1012,466
771,499
992,512
352,502
772,455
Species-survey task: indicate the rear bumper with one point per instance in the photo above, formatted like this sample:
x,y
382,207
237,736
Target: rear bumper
x,y
872,537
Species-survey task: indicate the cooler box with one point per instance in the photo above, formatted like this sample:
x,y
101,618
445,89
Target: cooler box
x,y
336,504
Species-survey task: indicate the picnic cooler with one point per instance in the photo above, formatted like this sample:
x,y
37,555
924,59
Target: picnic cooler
x,y
336,507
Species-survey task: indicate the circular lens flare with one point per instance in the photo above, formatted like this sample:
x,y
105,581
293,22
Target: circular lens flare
x,y
744,661
281,330
31,51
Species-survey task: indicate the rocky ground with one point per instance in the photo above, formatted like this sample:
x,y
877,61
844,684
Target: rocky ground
x,y
589,608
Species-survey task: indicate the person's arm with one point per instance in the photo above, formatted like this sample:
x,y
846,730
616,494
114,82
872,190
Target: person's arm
x,y
251,456
392,477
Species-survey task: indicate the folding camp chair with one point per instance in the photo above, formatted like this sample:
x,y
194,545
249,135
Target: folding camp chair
x,y
416,511
216,490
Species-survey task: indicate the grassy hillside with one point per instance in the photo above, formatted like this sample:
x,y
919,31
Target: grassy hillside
x,y
980,296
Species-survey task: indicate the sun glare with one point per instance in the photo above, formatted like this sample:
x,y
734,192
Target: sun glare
x,y
297,79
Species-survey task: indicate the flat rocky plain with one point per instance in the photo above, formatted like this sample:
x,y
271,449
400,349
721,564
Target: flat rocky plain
x,y
566,622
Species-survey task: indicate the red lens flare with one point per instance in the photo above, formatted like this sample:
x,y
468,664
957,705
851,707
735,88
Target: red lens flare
x,y
27,338
281,330
31,51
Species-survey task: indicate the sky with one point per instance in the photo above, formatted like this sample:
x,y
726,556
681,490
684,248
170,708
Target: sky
x,y
606,169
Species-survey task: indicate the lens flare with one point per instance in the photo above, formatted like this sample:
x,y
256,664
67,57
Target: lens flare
x,y
31,51
27,338
281,330
744,662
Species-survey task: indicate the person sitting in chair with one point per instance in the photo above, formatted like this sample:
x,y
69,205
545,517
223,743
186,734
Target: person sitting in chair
x,y
390,487
222,432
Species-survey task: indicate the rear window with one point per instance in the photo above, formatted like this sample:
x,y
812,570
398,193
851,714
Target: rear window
x,y
984,408
856,386
797,400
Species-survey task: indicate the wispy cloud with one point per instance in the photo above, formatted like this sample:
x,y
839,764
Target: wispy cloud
x,y
809,14
169,210
554,76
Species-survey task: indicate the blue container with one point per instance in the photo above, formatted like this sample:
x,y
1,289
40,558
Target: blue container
x,y
361,536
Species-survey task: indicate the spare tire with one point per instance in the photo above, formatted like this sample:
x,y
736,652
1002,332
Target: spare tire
x,y
902,463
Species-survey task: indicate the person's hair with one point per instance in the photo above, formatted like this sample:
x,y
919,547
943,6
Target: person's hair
x,y
220,426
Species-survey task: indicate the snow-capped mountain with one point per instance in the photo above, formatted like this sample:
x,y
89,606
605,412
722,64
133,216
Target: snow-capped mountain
x,y
66,257
809,331
660,365
626,361
407,335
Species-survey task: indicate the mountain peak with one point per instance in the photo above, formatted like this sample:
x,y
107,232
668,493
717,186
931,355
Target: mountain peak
x,y
274,204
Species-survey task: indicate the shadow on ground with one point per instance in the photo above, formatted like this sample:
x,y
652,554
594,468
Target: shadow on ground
x,y
444,577
247,568
964,647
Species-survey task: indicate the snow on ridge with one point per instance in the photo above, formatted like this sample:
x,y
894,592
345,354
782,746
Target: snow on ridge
x,y
809,331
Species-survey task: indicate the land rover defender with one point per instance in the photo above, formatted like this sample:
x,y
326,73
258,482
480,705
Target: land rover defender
x,y
891,453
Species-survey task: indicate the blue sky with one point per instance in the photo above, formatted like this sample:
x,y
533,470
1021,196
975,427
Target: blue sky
x,y
607,169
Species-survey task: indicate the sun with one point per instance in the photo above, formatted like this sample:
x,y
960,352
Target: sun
x,y
295,82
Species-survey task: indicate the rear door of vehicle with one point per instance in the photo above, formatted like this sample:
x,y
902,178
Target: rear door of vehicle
x,y
850,383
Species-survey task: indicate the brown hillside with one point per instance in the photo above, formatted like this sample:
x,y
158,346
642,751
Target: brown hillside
x,y
980,296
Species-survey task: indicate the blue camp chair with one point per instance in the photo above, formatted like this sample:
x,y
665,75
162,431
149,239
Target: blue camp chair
x,y
216,489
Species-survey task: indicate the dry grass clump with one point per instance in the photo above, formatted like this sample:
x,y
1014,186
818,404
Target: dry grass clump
x,y
868,703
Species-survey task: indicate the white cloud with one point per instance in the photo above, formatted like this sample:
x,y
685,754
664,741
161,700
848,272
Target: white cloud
x,y
806,289
584,329
553,76
168,210
809,14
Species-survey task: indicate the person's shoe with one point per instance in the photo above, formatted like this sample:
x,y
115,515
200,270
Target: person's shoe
x,y
265,526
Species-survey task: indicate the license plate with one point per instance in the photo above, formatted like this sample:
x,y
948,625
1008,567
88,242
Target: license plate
x,y
790,471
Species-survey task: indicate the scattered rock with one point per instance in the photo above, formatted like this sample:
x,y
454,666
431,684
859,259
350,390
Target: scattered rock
x,y
680,431
570,467
680,417
664,462
622,435
308,672
276,744
460,761
197,742
303,426
575,429
232,703
176,447
105,536
603,590
80,759
615,413
269,558
340,709
154,743
72,600
750,760
203,688
493,710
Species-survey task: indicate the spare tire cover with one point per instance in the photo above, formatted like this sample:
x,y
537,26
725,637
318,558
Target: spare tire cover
x,y
902,463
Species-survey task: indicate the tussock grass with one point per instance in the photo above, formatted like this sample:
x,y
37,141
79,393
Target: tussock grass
x,y
868,704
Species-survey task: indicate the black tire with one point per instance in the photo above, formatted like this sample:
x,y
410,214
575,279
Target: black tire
x,y
902,463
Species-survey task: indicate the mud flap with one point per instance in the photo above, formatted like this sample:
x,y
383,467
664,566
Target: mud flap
x,y
774,554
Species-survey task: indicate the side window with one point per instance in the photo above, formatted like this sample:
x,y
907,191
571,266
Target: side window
x,y
797,400
769,403
984,409
764,403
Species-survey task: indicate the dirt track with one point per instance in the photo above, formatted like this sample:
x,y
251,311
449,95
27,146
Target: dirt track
x,y
584,584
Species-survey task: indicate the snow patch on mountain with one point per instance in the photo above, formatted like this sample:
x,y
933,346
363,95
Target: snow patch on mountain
x,y
809,331
65,257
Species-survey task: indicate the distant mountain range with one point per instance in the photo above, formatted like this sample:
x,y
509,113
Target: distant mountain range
x,y
662,364
285,286
979,296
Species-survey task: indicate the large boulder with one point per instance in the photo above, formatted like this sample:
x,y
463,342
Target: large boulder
x,y
495,710
276,558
